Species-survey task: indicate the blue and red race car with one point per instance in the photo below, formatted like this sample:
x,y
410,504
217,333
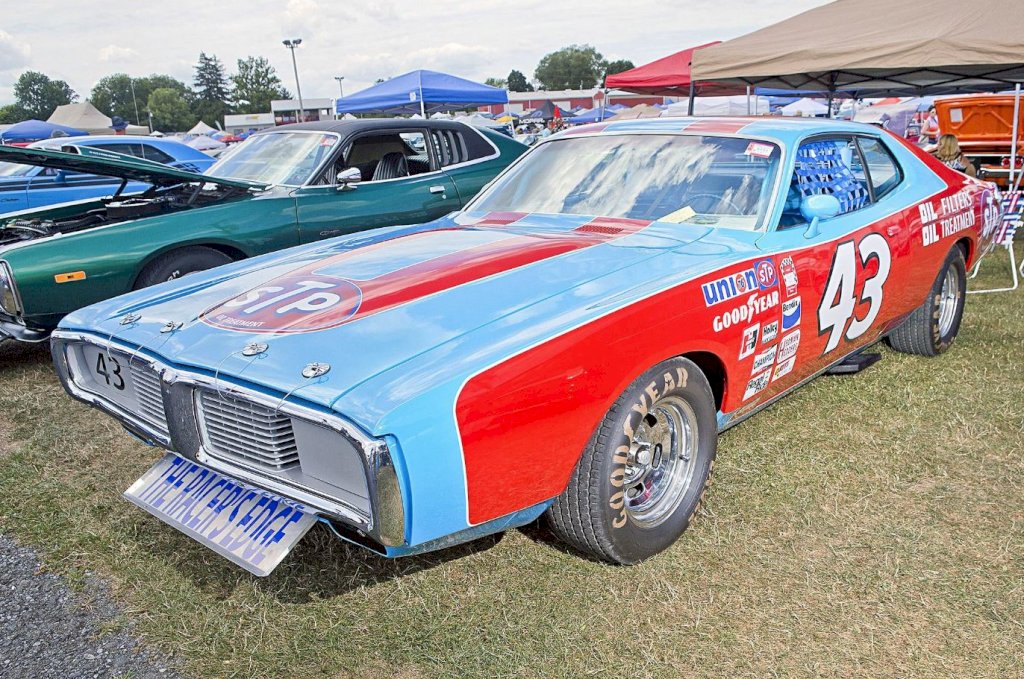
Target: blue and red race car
x,y
569,344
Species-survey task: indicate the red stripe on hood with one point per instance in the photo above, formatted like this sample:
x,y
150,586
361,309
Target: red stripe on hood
x,y
304,300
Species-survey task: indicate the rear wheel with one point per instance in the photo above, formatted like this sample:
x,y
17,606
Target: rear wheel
x,y
933,326
645,472
180,263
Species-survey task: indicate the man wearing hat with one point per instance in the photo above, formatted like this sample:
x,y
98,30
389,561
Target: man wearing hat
x,y
118,125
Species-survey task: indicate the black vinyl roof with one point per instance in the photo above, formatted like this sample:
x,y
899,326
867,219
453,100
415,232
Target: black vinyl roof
x,y
345,127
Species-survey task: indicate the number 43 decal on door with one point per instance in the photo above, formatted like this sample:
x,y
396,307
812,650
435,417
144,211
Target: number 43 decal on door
x,y
840,299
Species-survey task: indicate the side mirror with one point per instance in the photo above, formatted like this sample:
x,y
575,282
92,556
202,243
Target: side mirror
x,y
61,177
348,178
817,208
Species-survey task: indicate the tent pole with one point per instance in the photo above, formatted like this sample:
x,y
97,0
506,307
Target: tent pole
x,y
1016,125
748,100
689,108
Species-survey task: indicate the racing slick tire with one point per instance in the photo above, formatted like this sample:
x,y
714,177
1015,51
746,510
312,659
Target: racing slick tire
x,y
178,263
933,326
645,471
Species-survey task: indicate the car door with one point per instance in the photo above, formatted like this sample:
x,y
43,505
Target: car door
x,y
843,281
61,186
328,209
14,189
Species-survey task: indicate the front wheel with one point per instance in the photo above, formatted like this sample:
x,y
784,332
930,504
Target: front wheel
x,y
645,471
179,263
933,326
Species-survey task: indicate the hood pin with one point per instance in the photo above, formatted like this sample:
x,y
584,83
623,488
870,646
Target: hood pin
x,y
130,318
171,326
254,348
316,369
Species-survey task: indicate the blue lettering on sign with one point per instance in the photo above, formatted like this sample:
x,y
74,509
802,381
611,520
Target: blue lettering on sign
x,y
733,285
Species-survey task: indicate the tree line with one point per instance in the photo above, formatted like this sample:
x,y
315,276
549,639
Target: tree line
x,y
576,67
171,105
167,102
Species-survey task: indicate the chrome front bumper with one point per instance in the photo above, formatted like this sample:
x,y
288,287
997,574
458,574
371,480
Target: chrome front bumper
x,y
382,519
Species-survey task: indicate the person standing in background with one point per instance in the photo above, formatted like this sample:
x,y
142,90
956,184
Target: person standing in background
x,y
930,128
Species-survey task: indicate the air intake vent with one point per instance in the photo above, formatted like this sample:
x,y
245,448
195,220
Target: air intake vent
x,y
598,228
248,433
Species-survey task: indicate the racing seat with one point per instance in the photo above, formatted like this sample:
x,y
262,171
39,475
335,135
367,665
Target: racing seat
x,y
820,169
392,166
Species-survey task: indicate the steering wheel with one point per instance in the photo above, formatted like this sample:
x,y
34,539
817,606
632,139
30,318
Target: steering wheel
x,y
716,200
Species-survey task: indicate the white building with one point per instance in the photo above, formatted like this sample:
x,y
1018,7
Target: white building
x,y
285,110
236,123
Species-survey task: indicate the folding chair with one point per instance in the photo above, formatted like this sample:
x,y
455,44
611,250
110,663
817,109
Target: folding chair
x,y
1010,220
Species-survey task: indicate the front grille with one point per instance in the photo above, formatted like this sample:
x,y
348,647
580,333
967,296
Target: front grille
x,y
242,431
151,401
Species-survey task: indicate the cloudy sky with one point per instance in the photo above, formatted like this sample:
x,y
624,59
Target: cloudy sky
x,y
80,42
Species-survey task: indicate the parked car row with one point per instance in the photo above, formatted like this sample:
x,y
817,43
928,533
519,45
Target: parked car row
x,y
568,343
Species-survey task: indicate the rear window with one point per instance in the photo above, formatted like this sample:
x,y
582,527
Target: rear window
x,y
457,146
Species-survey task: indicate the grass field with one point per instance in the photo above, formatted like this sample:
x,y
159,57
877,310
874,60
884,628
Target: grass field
x,y
864,526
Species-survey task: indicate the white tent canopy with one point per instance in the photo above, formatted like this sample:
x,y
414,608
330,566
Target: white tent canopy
x,y
88,118
205,143
202,128
805,107
720,106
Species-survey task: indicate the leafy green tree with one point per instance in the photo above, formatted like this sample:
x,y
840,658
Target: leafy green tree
x,y
496,82
257,84
113,94
212,92
38,95
12,113
570,68
517,82
617,66
170,111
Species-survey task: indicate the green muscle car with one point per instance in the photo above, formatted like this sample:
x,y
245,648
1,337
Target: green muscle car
x,y
282,187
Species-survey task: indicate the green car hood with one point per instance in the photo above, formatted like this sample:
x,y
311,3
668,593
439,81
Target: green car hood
x,y
108,163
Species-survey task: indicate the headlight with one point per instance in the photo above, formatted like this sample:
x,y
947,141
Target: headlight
x,y
8,291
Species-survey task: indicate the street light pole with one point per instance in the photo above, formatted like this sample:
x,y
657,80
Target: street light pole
x,y
341,95
292,44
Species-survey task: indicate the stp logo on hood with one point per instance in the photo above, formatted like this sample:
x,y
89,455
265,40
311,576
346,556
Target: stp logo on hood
x,y
760,276
298,302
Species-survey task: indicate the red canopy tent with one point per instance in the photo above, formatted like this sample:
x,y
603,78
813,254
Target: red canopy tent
x,y
668,77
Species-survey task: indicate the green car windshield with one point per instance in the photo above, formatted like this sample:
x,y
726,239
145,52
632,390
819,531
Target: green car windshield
x,y
284,158
721,182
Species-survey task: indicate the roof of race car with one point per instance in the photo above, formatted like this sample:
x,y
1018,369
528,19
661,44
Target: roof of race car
x,y
782,129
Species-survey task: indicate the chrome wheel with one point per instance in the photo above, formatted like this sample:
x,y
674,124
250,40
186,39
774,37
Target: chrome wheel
x,y
661,462
949,300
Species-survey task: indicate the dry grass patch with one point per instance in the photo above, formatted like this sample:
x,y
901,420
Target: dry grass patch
x,y
865,526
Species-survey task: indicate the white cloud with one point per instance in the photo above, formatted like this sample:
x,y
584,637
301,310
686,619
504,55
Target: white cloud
x,y
14,53
115,53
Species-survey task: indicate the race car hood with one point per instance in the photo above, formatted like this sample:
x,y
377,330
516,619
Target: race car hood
x,y
108,163
383,302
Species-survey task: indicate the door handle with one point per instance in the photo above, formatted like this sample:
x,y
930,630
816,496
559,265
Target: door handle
x,y
892,231
437,189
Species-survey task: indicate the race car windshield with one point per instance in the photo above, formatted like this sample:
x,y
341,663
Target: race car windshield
x,y
285,158
721,182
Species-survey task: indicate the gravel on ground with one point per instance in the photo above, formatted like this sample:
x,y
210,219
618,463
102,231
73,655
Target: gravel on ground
x,y
49,630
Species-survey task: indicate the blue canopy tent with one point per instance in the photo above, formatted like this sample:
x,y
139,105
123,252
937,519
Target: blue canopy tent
x,y
594,115
422,92
34,130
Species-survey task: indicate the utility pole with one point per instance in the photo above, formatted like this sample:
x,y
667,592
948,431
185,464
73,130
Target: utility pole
x,y
341,95
292,44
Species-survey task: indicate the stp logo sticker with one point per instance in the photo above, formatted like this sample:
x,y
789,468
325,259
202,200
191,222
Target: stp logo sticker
x,y
765,272
298,302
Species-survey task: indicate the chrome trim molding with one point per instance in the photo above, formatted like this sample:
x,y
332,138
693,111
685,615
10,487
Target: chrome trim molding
x,y
382,480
